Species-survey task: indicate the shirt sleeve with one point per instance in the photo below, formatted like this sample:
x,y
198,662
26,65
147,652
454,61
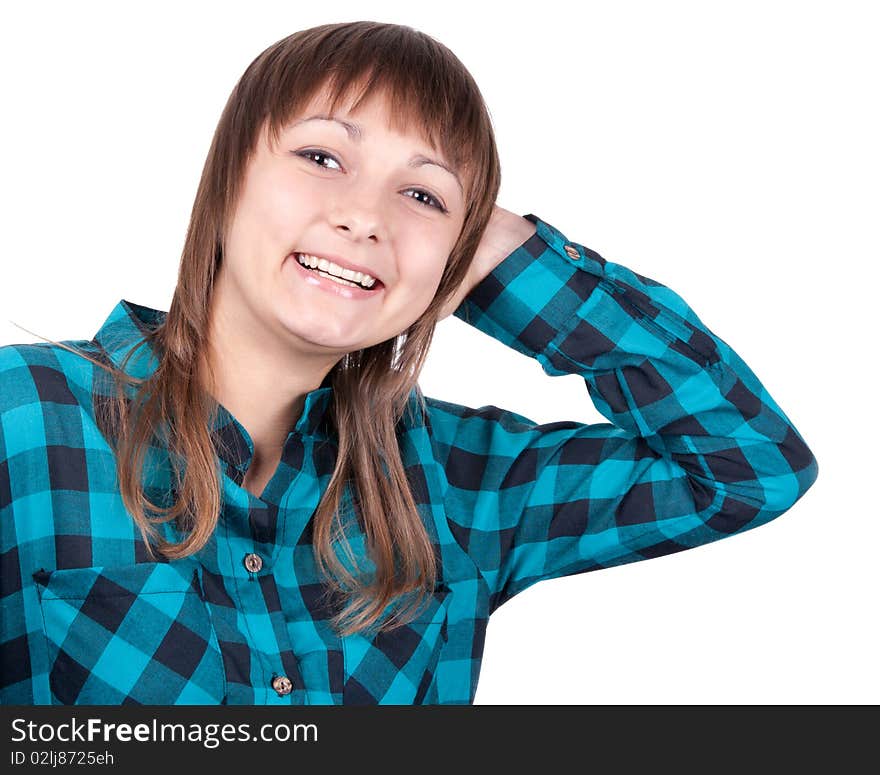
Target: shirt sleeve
x,y
697,449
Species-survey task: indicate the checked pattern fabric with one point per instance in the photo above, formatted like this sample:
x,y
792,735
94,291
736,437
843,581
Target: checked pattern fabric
x,y
695,449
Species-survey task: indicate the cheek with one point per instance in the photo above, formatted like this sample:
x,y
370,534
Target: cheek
x,y
273,201
423,279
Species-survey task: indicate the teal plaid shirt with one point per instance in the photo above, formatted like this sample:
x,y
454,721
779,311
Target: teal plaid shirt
x,y
695,450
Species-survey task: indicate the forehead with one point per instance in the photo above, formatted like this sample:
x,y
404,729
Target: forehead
x,y
375,110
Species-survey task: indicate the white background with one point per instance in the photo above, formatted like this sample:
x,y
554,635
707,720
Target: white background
x,y
727,150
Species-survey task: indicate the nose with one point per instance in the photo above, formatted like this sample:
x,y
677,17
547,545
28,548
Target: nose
x,y
357,229
358,212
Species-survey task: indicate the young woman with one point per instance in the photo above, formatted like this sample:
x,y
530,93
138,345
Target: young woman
x,y
248,500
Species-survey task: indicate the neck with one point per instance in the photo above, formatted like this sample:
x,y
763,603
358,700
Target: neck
x,y
259,378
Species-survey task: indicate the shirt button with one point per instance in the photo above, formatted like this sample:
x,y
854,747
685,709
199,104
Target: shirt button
x,y
282,685
572,252
253,562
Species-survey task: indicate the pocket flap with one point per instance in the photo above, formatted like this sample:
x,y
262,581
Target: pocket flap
x,y
139,579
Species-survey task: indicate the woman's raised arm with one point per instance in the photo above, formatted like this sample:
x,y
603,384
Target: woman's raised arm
x,y
697,449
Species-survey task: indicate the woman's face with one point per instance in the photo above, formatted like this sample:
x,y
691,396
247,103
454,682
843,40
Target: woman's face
x,y
323,192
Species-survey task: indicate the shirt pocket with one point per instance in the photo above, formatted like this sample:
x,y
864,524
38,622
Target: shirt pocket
x,y
397,667
137,634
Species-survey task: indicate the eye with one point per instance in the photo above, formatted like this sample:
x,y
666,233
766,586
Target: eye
x,y
430,197
309,154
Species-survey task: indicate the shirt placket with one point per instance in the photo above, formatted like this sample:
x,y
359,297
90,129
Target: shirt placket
x,y
275,674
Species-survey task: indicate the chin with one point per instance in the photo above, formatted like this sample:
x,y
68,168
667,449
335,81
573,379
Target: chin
x,y
320,336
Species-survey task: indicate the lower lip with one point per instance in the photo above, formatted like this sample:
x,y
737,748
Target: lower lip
x,y
345,291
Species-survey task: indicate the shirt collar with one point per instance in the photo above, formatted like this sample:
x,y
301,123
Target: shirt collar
x,y
124,329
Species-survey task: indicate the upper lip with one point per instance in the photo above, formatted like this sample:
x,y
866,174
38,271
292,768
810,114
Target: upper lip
x,y
340,261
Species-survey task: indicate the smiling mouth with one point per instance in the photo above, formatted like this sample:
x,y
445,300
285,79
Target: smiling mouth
x,y
335,273
338,286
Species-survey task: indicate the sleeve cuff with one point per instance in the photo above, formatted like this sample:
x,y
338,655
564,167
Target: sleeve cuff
x,y
534,293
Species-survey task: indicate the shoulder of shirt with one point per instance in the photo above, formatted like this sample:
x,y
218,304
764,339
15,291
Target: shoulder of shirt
x,y
22,365
442,412
13,356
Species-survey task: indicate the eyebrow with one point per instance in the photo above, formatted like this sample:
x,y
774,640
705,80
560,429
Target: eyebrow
x,y
356,133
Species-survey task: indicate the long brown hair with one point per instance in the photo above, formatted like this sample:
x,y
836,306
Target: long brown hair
x,y
428,88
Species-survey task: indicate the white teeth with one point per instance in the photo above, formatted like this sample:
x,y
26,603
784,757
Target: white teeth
x,y
330,269
337,279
